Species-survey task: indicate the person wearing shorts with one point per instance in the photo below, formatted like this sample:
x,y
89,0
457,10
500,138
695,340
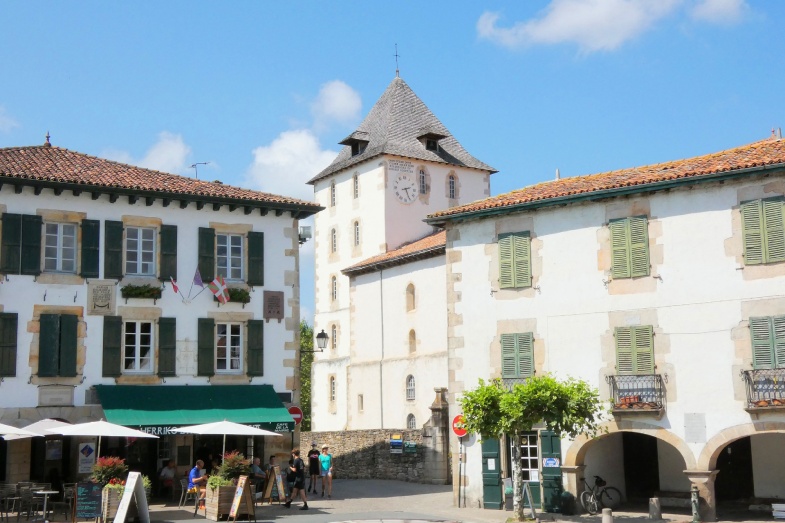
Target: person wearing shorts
x,y
313,467
326,472
298,468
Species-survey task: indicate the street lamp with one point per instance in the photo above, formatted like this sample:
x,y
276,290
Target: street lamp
x,y
321,340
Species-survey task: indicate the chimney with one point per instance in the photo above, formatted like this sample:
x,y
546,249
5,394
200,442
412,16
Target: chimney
x,y
779,133
558,176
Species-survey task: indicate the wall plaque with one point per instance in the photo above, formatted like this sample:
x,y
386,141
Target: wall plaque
x,y
695,427
273,305
56,396
101,297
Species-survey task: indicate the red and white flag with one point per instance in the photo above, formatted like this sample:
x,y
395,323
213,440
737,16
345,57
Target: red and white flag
x,y
174,285
218,287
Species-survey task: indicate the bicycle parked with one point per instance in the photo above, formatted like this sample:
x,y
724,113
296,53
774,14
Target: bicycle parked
x,y
599,496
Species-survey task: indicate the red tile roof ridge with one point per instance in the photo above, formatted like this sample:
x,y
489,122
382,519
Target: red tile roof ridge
x,y
763,152
428,242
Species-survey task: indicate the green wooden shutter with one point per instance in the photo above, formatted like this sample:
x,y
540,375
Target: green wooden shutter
x,y
752,232
31,244
779,341
91,241
525,346
255,258
643,340
506,276
11,248
113,249
762,343
639,246
509,356
168,252
113,341
167,346
206,347
774,233
68,337
49,345
522,265
8,338
207,254
620,248
624,351
255,347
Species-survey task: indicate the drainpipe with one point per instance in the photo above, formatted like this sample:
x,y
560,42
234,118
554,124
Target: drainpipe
x,y
381,360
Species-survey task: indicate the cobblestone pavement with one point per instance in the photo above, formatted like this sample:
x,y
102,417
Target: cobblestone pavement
x,y
355,500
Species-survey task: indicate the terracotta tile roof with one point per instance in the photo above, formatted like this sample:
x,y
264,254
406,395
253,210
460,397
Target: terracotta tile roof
x,y
46,163
769,152
427,247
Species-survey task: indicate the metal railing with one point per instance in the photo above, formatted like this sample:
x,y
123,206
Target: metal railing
x,y
765,387
637,391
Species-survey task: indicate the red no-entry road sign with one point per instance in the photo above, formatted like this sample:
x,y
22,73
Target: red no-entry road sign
x,y
457,426
297,414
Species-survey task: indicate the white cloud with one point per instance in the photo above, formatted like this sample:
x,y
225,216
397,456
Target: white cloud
x,y
720,11
7,124
169,154
600,25
284,166
336,102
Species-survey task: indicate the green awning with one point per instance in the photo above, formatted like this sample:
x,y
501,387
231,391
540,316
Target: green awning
x,y
157,408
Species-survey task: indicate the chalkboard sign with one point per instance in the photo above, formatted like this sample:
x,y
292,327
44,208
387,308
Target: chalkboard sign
x,y
88,500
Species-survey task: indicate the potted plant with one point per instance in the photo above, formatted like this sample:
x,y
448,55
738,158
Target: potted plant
x,y
222,484
238,295
141,291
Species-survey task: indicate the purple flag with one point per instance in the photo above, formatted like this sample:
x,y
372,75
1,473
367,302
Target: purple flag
x,y
198,279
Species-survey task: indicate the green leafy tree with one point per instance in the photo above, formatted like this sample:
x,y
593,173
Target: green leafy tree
x,y
306,359
569,408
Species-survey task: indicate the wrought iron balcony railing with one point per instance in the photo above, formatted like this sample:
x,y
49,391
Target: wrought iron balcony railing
x,y
643,392
765,388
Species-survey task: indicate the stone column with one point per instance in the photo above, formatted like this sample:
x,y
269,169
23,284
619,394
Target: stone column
x,y
572,483
437,466
704,480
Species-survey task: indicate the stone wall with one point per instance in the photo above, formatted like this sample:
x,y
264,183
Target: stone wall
x,y
365,454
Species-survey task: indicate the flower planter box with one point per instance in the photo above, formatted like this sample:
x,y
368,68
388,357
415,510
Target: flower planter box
x,y
218,503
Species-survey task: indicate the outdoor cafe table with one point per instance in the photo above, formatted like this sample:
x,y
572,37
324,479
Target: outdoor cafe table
x,y
45,494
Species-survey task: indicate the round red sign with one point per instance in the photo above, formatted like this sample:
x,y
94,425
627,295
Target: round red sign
x,y
457,426
297,414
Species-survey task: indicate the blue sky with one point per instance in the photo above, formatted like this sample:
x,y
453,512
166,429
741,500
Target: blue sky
x,y
263,91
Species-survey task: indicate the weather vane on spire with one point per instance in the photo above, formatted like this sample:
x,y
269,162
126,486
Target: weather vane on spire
x,y
397,72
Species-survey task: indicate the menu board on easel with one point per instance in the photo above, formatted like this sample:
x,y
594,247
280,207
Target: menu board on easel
x,y
242,494
134,491
273,480
279,483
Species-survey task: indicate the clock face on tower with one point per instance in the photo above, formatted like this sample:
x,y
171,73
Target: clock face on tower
x,y
405,188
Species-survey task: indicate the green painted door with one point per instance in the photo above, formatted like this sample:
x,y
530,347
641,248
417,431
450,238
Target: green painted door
x,y
491,474
550,444
530,465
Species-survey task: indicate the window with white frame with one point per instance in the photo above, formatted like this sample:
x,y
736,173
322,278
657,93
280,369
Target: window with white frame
x,y
411,422
333,240
334,288
332,193
423,182
334,337
410,388
229,256
356,233
356,180
332,388
228,347
138,346
140,251
451,189
60,247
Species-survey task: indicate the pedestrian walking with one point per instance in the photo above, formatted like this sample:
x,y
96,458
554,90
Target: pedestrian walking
x,y
298,468
326,472
313,467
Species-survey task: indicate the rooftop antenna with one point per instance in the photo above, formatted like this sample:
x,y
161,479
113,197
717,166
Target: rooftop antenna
x,y
397,72
196,168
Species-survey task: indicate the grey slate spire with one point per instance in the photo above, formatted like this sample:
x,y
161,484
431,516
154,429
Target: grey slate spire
x,y
398,124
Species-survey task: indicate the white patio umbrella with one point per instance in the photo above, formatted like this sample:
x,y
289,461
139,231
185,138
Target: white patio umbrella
x,y
8,429
101,428
41,428
224,428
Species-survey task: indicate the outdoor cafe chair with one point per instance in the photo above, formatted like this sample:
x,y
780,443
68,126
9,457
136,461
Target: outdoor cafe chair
x,y
186,495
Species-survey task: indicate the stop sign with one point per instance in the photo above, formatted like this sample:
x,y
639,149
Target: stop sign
x,y
297,414
457,426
